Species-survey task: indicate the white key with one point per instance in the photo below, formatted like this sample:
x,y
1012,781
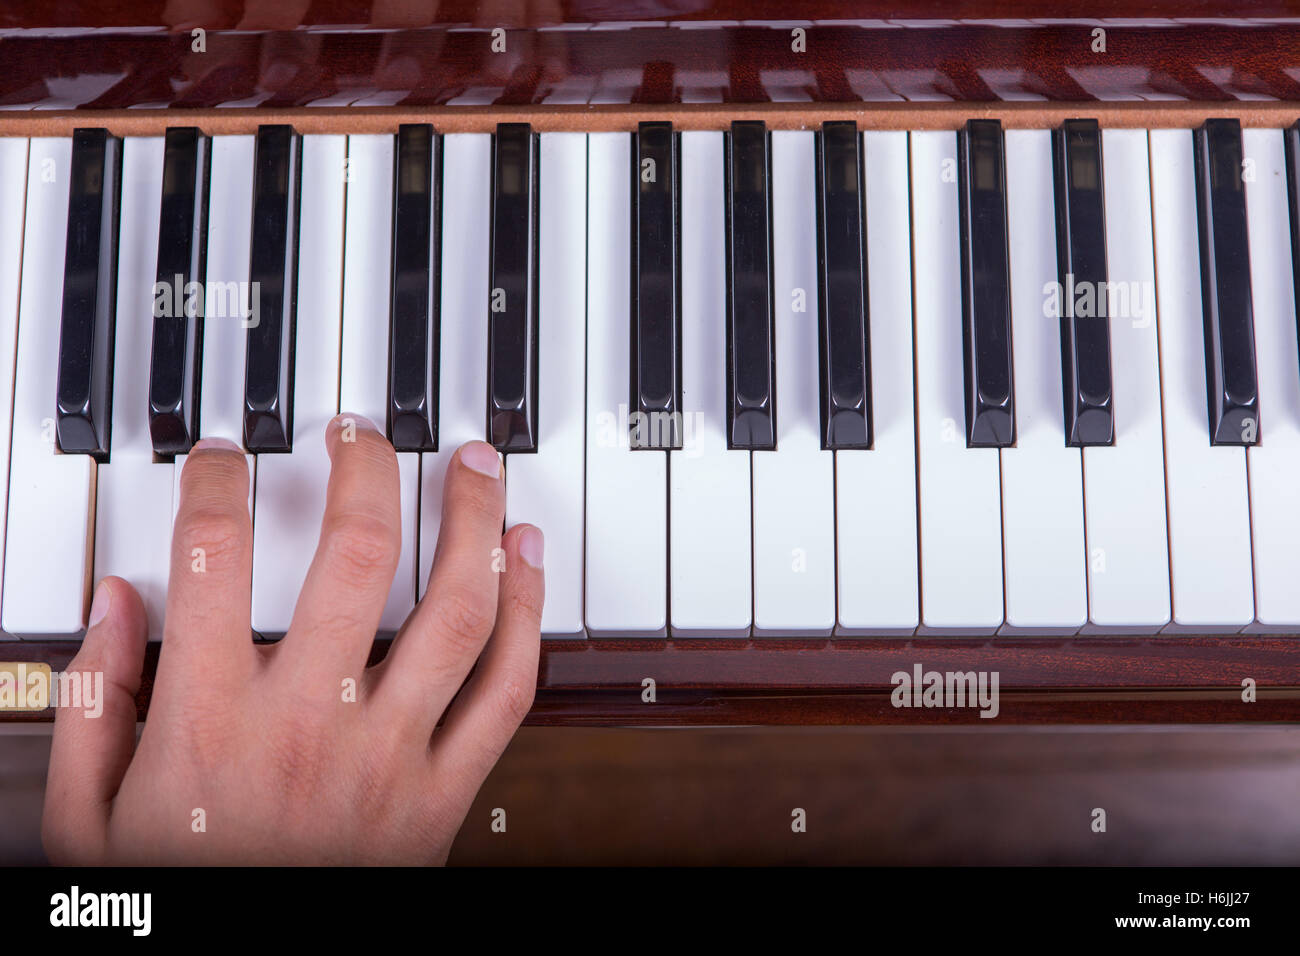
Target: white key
x,y
1042,480
710,591
1274,464
226,296
875,491
290,495
1209,510
133,502
1124,484
960,494
627,491
794,486
13,194
545,488
462,369
226,301
363,377
51,495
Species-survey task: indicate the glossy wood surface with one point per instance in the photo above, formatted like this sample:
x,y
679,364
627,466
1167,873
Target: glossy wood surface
x,y
129,55
1081,680
334,14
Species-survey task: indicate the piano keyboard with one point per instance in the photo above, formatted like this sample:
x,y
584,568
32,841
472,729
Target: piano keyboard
x,y
749,383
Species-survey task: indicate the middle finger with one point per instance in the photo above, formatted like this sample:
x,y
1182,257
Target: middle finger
x,y
347,584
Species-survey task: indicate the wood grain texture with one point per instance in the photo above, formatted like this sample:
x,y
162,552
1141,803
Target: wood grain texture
x,y
1083,681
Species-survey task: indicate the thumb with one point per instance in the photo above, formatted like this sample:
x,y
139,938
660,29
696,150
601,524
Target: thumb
x,y
94,740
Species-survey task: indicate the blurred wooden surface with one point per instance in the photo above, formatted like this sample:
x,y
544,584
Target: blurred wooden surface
x,y
872,796
892,797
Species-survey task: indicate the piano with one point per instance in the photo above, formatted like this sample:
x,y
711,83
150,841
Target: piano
x,y
822,344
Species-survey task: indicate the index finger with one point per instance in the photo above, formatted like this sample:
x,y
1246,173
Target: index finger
x,y
207,629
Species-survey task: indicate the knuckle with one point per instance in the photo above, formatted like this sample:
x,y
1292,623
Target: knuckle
x,y
220,533
362,544
90,659
514,696
481,501
525,604
467,616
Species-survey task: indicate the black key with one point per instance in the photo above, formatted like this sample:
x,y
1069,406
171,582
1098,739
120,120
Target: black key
x,y
751,375
413,322
985,286
844,345
1081,264
656,357
1232,389
512,310
176,360
1291,141
85,387
273,270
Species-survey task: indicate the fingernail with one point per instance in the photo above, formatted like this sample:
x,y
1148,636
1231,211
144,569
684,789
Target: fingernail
x,y
99,606
531,546
481,457
213,444
357,421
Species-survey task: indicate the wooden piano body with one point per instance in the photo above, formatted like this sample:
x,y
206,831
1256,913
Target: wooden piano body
x,y
139,67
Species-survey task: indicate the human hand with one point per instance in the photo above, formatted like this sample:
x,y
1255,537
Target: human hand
x,y
262,742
